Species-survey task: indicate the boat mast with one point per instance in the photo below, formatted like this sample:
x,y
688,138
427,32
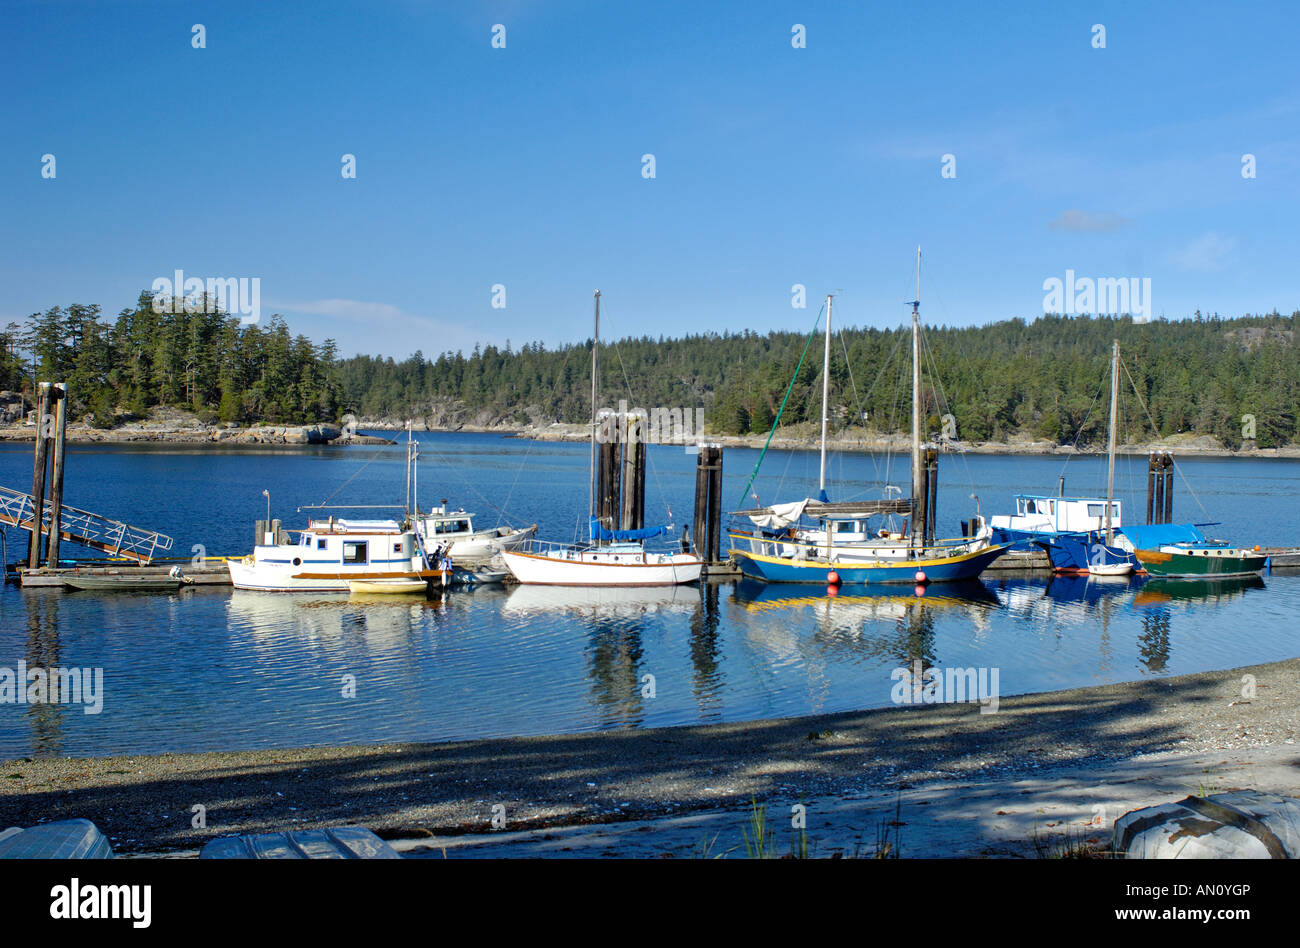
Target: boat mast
x,y
914,534
826,385
1110,448
591,478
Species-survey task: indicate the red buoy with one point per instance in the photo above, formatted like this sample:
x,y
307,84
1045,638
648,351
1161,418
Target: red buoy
x,y
920,576
833,578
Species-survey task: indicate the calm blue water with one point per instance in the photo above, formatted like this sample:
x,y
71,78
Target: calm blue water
x,y
223,669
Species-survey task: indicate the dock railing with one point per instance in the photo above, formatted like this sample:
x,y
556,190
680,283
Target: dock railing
x,y
17,509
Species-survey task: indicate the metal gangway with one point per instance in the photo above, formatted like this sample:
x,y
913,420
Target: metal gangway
x,y
17,509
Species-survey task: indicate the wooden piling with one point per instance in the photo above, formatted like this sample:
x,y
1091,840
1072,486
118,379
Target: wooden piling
x,y
1151,487
38,475
715,506
701,531
1169,488
60,395
633,476
607,481
932,492
708,505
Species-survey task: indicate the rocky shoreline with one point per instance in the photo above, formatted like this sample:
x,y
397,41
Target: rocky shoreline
x,y
273,435
800,440
194,432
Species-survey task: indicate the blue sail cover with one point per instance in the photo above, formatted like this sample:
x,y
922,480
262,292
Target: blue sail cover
x,y
1155,535
598,532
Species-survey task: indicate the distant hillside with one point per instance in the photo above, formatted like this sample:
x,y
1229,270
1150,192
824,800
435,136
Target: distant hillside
x,y
1043,379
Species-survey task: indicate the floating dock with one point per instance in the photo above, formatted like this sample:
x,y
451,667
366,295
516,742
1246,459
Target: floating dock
x,y
212,573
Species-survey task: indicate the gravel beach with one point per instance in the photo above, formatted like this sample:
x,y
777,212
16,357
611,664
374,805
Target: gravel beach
x,y
146,803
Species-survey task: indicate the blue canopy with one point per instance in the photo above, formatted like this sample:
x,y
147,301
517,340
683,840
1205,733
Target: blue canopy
x,y
598,532
1157,534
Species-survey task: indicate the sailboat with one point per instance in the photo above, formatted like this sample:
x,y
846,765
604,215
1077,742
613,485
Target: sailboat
x,y
1095,552
1161,550
611,557
838,546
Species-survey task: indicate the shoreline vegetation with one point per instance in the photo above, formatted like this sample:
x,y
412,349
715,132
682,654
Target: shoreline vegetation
x,y
1203,384
801,437
421,790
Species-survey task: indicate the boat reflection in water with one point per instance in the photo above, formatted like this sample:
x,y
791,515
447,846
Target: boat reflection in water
x,y
1162,592
877,627
526,600
330,620
617,623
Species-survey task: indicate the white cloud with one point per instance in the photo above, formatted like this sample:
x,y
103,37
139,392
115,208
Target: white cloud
x,y
1085,222
353,310
1206,253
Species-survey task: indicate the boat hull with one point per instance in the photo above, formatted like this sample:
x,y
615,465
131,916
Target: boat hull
x,y
274,578
125,584
587,569
485,544
1072,553
775,569
1209,564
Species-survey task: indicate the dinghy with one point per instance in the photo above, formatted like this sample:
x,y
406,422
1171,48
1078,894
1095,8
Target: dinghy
x,y
387,587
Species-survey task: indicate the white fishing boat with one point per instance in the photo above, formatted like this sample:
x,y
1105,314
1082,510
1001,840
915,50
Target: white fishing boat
x,y
331,553
454,531
611,557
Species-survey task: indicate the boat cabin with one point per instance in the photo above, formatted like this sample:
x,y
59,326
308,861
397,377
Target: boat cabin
x,y
440,522
1038,513
381,543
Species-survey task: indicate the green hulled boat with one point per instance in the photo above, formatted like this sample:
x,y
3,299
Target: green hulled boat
x,y
1201,560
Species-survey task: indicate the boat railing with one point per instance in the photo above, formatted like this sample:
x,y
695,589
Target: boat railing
x,y
790,546
534,545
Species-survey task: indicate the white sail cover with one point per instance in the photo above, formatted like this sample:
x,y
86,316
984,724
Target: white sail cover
x,y
781,515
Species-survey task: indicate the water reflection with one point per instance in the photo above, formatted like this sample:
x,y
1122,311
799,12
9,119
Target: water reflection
x,y
43,651
1160,592
219,669
706,653
876,628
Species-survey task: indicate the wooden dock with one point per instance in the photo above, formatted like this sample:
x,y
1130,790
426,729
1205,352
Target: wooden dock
x,y
212,573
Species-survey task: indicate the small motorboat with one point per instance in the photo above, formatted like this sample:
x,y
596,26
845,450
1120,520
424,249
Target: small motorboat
x,y
477,576
388,587
119,583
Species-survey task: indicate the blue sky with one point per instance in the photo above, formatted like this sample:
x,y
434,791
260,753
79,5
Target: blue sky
x,y
522,166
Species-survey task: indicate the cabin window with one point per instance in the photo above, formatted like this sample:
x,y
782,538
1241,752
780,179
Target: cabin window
x,y
1096,510
1031,507
321,544
397,548
844,527
355,553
